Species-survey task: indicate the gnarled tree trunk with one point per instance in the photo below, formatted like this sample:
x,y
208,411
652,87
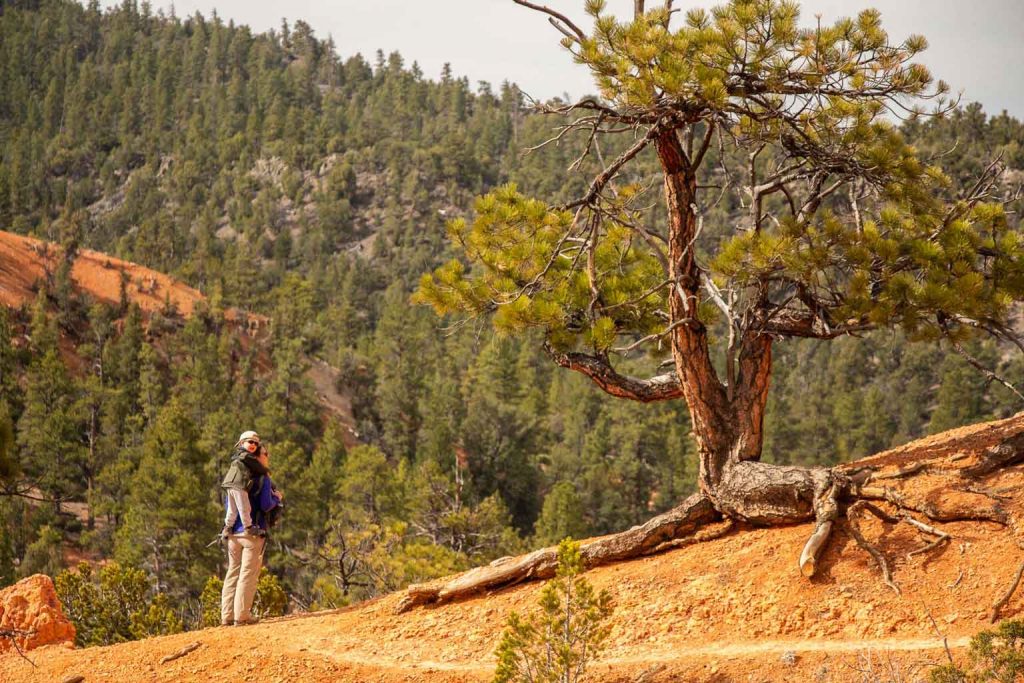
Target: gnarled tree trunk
x,y
728,417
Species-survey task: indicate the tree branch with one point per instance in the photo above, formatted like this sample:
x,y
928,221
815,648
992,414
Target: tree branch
x,y
556,15
599,370
807,324
603,179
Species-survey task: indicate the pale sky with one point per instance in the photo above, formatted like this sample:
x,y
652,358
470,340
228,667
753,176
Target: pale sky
x,y
977,46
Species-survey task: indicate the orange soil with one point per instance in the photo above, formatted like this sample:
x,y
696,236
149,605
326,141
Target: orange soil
x,y
24,262
733,609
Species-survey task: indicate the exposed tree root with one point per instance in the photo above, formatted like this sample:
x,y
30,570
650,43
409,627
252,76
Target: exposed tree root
x,y
854,529
719,530
772,495
1007,452
680,522
936,510
940,536
826,510
815,545
902,472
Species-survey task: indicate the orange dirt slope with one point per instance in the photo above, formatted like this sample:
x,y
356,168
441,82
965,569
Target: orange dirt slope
x,y
732,609
24,261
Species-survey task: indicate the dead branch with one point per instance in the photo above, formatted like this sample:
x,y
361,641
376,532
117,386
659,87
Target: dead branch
x,y
990,374
600,371
1001,602
580,35
939,633
180,653
600,181
13,634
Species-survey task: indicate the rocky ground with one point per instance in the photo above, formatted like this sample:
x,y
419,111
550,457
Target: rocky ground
x,y
733,609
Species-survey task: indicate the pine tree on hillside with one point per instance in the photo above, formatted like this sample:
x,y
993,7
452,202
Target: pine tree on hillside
x,y
844,229
49,435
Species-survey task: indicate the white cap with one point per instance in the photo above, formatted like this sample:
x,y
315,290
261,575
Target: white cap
x,y
246,436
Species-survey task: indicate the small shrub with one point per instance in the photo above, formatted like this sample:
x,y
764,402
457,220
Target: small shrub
x,y
113,606
947,673
996,656
883,666
556,645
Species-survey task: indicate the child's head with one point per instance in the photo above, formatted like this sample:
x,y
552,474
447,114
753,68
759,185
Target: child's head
x,y
250,441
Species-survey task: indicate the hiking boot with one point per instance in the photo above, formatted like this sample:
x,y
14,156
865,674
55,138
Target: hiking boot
x,y
247,622
229,622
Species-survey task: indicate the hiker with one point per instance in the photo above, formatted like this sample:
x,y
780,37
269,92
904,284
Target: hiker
x,y
242,474
246,543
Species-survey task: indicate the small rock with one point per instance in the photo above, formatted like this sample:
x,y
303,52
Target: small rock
x,y
788,658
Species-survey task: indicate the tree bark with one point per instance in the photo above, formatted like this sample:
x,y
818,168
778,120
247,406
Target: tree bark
x,y
704,393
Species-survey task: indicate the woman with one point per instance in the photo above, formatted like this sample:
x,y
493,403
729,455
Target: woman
x,y
245,551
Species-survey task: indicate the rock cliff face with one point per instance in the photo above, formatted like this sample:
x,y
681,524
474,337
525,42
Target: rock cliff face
x,y
31,606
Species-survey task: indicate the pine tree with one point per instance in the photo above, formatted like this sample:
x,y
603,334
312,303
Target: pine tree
x,y
170,515
843,229
49,435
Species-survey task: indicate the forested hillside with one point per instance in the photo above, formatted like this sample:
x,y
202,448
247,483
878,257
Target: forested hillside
x,y
276,175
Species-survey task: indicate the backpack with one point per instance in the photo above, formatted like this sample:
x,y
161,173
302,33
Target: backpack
x,y
272,516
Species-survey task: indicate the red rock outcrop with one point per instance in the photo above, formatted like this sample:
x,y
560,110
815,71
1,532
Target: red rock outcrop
x,y
32,605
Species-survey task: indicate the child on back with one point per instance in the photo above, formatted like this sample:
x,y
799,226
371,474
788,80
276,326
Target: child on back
x,y
244,469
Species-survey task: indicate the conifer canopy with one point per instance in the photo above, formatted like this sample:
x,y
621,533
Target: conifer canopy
x,y
812,216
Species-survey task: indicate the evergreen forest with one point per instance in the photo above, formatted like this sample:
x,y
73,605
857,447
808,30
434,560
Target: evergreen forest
x,y
283,178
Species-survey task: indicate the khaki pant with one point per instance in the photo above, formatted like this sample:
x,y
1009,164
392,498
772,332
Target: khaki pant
x,y
245,558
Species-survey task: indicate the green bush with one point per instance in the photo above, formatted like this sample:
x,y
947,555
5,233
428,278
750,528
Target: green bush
x,y
996,656
556,645
113,606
